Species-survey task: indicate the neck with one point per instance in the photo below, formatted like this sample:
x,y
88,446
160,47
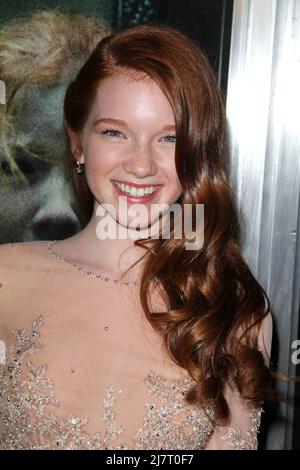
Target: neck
x,y
112,255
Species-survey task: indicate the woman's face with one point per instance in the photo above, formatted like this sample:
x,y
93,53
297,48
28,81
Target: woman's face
x,y
128,144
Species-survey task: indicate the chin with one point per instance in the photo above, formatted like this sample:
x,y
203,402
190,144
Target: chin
x,y
140,227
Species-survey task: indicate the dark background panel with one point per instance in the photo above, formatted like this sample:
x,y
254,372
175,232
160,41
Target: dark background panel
x,y
206,21
13,9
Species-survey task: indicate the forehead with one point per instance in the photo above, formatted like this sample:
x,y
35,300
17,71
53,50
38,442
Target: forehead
x,y
125,93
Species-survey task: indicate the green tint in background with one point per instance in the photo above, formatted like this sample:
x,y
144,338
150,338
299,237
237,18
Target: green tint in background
x,y
13,9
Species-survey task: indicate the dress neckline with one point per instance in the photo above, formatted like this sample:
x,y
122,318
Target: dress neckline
x,y
99,275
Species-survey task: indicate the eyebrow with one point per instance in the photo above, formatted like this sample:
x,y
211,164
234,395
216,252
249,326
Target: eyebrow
x,y
124,123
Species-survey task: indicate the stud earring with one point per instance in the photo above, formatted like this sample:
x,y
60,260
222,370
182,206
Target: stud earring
x,y
78,167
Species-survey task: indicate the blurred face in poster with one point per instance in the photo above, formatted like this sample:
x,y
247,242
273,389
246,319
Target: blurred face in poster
x,y
40,55
40,204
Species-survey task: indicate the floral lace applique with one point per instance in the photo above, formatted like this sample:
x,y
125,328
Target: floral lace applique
x,y
169,423
245,440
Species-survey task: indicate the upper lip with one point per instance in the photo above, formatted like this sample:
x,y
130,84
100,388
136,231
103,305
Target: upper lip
x,y
137,185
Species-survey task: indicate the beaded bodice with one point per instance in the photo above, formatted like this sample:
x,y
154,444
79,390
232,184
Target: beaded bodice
x,y
81,369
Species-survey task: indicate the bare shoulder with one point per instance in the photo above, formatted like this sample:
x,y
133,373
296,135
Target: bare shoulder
x,y
13,255
18,264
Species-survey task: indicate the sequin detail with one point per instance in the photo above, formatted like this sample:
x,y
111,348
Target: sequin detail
x,y
193,425
245,440
169,423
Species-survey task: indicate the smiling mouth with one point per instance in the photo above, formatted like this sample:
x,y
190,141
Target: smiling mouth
x,y
136,191
137,194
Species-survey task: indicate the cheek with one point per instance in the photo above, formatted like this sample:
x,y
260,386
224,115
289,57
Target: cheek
x,y
98,162
97,167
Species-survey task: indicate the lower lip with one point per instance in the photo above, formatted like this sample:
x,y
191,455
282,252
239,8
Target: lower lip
x,y
137,199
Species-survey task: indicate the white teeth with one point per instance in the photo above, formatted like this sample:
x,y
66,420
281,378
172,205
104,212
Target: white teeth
x,y
137,192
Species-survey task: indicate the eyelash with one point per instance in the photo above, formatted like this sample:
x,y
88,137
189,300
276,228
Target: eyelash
x,y
110,130
106,131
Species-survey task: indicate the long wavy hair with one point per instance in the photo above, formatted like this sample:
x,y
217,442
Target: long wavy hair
x,y
215,306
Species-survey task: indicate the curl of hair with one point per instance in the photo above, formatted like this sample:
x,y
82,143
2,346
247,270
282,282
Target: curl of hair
x,y
214,305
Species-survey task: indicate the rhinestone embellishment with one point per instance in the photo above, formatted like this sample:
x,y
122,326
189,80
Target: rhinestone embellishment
x,y
30,424
88,272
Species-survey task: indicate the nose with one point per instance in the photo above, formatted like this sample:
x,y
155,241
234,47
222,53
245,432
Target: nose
x,y
141,162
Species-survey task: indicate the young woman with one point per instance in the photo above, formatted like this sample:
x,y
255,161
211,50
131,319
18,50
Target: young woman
x,y
125,339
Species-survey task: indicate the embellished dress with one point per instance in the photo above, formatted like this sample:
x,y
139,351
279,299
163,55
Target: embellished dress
x,y
82,368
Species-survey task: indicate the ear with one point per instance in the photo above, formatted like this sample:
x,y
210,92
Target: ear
x,y
76,147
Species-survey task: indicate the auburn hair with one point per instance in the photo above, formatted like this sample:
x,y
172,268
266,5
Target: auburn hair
x,y
215,306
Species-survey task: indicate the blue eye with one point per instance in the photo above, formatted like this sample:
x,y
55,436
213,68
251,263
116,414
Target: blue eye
x,y
171,137
112,133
